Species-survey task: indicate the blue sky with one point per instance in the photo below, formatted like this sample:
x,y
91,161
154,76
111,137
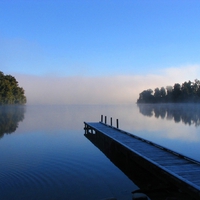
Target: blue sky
x,y
98,38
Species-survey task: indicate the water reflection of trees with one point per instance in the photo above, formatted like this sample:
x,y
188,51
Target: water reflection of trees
x,y
10,116
187,113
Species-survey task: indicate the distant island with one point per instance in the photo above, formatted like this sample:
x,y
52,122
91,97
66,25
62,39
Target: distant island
x,y
187,92
10,92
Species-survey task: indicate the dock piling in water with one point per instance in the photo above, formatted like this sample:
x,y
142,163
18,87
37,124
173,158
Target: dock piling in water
x,y
117,123
102,118
111,121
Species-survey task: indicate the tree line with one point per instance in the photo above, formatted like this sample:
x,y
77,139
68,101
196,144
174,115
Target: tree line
x,y
10,92
187,92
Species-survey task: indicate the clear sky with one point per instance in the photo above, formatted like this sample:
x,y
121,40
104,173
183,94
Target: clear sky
x,y
122,41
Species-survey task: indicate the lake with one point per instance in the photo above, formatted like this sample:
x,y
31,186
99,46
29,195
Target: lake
x,y
45,155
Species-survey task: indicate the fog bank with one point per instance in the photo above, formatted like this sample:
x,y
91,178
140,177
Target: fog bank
x,y
99,90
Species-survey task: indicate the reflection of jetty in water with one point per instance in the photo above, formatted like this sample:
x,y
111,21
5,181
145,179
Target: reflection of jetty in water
x,y
189,114
10,116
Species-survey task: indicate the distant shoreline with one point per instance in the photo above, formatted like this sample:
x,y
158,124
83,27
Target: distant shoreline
x,y
187,92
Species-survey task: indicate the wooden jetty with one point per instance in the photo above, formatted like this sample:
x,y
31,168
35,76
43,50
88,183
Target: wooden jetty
x,y
175,171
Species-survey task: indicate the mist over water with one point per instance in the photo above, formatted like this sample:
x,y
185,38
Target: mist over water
x,y
45,155
108,89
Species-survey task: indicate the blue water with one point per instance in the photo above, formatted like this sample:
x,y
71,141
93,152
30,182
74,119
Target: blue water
x,y
48,157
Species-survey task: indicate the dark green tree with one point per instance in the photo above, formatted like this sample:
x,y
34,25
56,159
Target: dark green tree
x,y
176,92
10,92
187,92
146,96
196,88
162,92
157,93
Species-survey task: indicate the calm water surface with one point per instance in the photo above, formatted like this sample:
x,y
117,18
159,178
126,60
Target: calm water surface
x,y
45,155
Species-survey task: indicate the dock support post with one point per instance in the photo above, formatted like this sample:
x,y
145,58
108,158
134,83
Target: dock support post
x,y
102,118
117,122
105,119
111,121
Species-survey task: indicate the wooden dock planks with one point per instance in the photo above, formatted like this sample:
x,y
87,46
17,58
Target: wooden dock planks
x,y
179,169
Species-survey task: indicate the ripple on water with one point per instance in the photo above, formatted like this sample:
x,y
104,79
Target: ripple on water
x,y
52,173
57,173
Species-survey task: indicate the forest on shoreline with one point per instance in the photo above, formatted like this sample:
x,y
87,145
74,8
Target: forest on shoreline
x,y
10,92
187,92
